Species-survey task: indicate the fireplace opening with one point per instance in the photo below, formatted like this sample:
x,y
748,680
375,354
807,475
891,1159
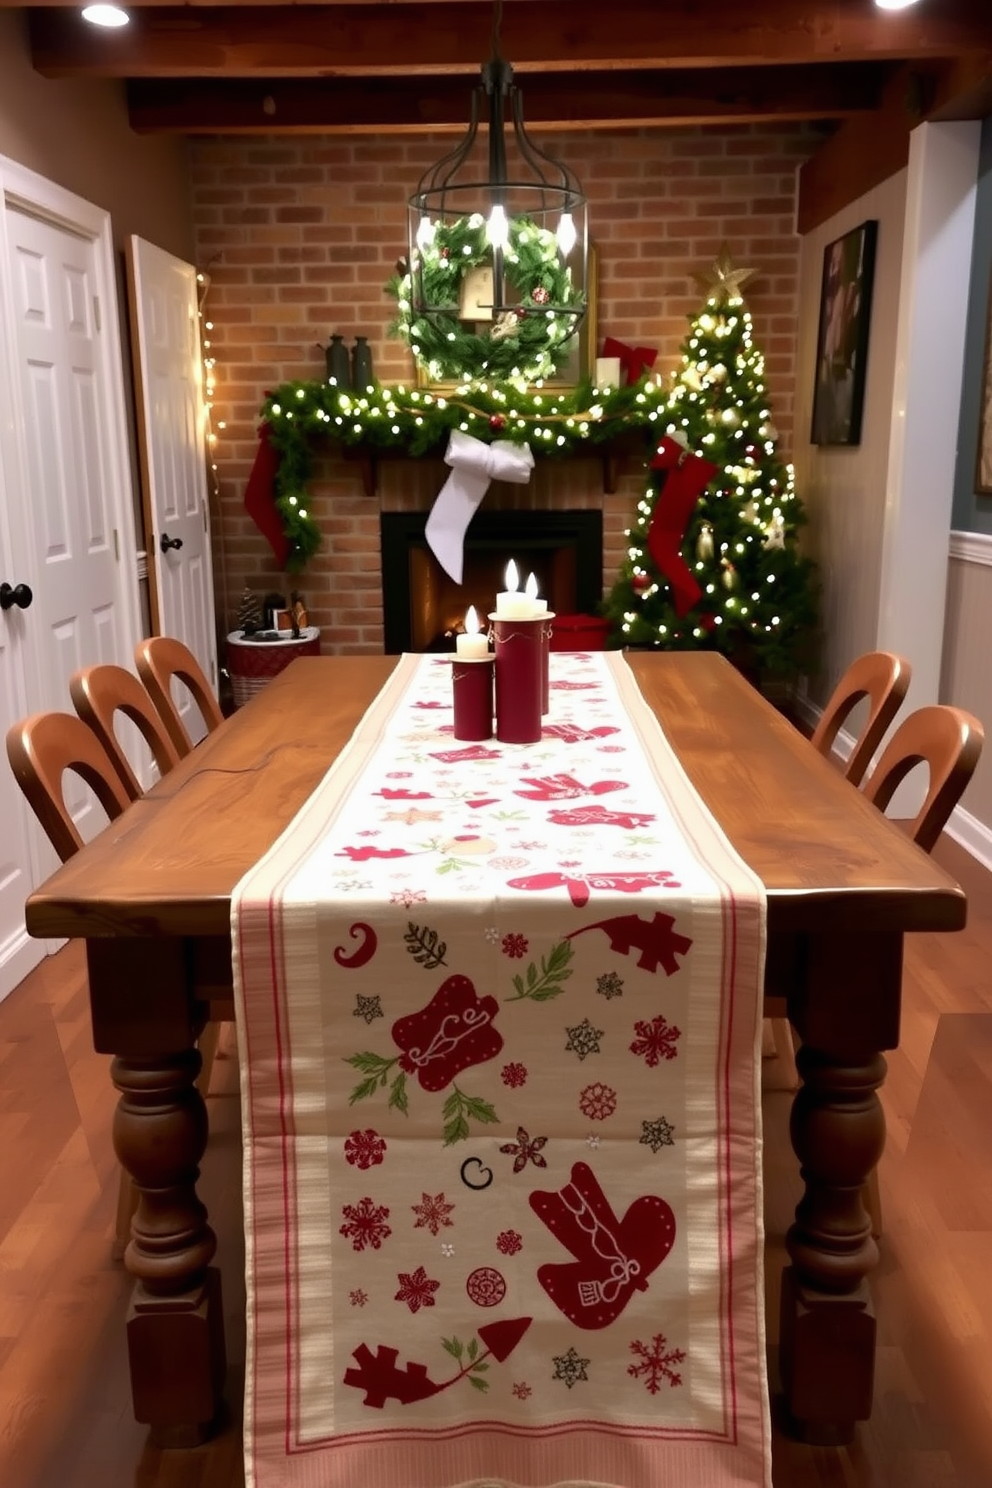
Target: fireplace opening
x,y
424,609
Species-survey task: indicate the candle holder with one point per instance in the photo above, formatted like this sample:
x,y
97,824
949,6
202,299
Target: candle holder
x,y
519,690
472,693
547,618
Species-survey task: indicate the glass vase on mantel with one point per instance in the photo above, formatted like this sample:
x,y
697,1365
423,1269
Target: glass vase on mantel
x,y
338,364
361,363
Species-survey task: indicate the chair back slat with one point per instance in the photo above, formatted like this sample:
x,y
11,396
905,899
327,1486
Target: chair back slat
x,y
949,742
159,659
881,677
41,749
98,694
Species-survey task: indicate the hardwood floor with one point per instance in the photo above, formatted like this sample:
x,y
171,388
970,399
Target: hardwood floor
x,y
65,1420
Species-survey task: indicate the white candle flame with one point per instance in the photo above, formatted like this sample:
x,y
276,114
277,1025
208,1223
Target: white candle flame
x,y
530,589
512,578
471,621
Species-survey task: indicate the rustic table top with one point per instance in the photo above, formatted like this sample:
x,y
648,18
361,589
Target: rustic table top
x,y
827,857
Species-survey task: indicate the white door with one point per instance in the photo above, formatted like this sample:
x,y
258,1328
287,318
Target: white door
x,y
76,618
67,529
18,952
165,332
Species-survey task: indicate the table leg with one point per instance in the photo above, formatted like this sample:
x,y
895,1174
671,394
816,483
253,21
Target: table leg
x,y
846,1012
175,1328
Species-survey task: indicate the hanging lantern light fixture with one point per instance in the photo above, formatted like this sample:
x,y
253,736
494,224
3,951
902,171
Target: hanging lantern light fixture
x,y
496,271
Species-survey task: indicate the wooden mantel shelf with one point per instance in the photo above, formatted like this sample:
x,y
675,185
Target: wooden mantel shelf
x,y
632,444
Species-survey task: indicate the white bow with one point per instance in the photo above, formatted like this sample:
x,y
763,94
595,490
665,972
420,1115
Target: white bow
x,y
473,465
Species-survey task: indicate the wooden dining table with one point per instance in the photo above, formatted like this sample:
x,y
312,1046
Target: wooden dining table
x,y
151,896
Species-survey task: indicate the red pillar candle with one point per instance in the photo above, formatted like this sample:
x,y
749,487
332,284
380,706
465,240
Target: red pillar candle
x,y
547,617
472,689
519,649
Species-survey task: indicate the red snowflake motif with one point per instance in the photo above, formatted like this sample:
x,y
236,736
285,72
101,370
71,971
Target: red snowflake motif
x,y
508,1242
486,1287
364,1149
515,946
524,1150
358,1298
522,1390
408,897
656,1040
597,1102
514,1075
455,1030
432,1213
416,1291
365,1225
655,1364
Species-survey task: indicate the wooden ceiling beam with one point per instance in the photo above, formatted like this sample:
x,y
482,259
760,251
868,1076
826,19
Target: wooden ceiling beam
x,y
397,106
421,38
866,151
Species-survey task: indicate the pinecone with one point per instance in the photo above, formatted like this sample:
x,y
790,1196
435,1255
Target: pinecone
x,y
249,613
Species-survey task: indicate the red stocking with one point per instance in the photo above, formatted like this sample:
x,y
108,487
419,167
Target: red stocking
x,y
260,496
687,476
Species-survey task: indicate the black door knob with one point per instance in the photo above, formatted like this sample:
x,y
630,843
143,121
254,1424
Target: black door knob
x,y
166,542
9,596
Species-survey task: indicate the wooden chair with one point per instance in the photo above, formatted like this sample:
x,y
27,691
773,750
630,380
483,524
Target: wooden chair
x,y
949,742
882,678
40,750
159,659
98,694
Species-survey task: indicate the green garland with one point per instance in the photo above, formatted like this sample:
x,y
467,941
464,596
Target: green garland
x,y
526,343
302,416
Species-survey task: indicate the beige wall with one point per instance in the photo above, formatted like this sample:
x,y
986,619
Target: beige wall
x,y
77,135
844,488
966,678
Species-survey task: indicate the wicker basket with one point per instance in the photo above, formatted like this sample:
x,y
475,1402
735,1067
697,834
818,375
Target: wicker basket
x,y
251,664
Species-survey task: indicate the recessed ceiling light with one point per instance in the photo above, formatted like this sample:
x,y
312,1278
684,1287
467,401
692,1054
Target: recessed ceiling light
x,y
894,4
105,15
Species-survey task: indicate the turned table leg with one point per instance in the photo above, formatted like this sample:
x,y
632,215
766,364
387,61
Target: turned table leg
x,y
846,1013
144,1012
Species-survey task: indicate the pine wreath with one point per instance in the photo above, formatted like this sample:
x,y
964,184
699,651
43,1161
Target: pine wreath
x,y
532,340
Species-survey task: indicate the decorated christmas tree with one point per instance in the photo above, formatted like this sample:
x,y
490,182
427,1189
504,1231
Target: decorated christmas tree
x,y
712,559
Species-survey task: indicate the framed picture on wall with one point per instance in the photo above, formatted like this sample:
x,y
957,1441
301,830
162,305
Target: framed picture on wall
x,y
842,340
983,461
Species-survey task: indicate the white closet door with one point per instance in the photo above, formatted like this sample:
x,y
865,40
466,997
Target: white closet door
x,y
165,335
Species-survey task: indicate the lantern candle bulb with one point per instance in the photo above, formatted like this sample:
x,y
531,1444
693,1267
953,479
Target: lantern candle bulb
x,y
473,645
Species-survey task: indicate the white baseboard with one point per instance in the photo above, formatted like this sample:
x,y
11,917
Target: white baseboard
x,y
973,835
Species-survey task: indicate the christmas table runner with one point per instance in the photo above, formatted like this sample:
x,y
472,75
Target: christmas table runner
x,y
499,1012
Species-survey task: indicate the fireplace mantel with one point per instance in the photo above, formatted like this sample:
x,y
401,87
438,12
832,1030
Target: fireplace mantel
x,y
630,444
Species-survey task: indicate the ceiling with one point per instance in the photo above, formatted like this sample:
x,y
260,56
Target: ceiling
x,y
397,66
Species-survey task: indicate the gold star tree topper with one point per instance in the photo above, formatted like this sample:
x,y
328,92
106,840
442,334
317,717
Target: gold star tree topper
x,y
721,281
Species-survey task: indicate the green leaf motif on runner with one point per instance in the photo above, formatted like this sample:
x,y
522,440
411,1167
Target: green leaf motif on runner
x,y
424,946
480,1384
473,1348
459,1109
376,1069
450,865
544,985
453,1347
398,1100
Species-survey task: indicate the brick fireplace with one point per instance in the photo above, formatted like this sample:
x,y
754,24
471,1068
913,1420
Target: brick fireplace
x,y
423,607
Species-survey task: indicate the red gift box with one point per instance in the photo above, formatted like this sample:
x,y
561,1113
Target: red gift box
x,y
579,633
